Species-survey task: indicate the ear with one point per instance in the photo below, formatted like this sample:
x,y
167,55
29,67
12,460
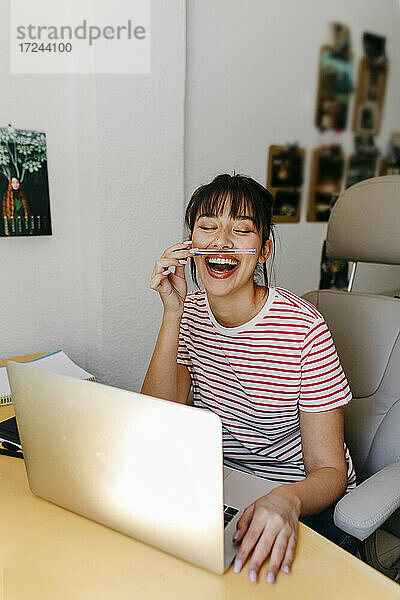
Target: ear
x,y
265,252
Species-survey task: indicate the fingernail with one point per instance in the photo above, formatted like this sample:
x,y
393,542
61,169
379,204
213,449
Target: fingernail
x,y
193,250
253,576
187,242
236,536
270,577
286,569
183,261
237,566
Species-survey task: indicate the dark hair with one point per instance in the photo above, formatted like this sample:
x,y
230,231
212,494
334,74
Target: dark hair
x,y
246,196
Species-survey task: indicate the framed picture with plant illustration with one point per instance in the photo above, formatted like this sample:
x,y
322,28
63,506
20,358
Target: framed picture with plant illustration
x,y
24,187
285,181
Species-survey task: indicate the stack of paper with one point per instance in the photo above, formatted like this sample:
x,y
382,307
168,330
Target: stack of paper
x,y
57,362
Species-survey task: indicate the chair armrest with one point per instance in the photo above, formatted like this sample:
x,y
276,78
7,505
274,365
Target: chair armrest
x,y
363,510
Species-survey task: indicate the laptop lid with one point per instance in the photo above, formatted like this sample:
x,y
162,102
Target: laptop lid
x,y
147,467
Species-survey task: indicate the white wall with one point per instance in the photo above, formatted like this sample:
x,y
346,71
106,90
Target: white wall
x,y
115,154
252,72
140,140
41,299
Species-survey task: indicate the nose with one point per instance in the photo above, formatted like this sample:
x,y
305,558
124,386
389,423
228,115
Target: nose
x,y
222,240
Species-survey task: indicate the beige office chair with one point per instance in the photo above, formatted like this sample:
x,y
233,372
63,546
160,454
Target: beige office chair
x,y
364,226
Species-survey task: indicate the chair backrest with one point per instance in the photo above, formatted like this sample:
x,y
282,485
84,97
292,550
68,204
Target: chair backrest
x,y
365,329
365,227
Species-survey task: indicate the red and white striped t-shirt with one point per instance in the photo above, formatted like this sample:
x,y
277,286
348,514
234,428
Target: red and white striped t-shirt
x,y
256,378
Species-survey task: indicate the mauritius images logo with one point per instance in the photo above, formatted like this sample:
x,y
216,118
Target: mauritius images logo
x,y
89,37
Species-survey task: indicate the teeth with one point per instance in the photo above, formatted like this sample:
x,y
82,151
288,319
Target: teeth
x,y
223,261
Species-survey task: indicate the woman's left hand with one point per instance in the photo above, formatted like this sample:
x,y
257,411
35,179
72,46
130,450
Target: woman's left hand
x,y
269,525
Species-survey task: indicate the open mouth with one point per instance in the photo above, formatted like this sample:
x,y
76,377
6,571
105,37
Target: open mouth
x,y
221,267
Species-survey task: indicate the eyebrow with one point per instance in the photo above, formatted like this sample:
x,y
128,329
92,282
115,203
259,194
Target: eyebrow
x,y
238,218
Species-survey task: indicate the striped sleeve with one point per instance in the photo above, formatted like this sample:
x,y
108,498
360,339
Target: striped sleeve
x,y
323,383
183,357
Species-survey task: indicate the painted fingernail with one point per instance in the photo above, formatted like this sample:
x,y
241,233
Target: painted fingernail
x,y
270,577
237,566
183,261
286,569
253,576
236,536
187,242
169,270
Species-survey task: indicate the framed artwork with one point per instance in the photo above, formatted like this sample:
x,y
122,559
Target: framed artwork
x,y
363,164
334,90
24,187
390,164
371,87
326,181
341,47
333,273
335,81
285,181
360,167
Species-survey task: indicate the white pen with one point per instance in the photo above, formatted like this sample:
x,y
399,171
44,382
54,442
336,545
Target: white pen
x,y
202,252
210,252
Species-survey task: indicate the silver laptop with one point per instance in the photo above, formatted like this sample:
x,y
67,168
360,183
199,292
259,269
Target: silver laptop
x,y
150,468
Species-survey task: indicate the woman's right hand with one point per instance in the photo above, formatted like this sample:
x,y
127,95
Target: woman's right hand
x,y
171,286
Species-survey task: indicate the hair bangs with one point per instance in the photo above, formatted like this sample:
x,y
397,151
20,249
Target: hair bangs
x,y
211,199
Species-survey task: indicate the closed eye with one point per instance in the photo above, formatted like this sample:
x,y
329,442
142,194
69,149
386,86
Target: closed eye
x,y
206,228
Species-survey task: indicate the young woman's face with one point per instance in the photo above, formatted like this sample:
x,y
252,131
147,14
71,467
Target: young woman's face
x,y
14,183
226,273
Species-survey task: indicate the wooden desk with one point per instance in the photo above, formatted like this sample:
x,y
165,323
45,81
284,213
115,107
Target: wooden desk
x,y
48,552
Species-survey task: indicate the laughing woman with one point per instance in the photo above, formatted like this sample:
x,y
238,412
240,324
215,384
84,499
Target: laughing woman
x,y
263,360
